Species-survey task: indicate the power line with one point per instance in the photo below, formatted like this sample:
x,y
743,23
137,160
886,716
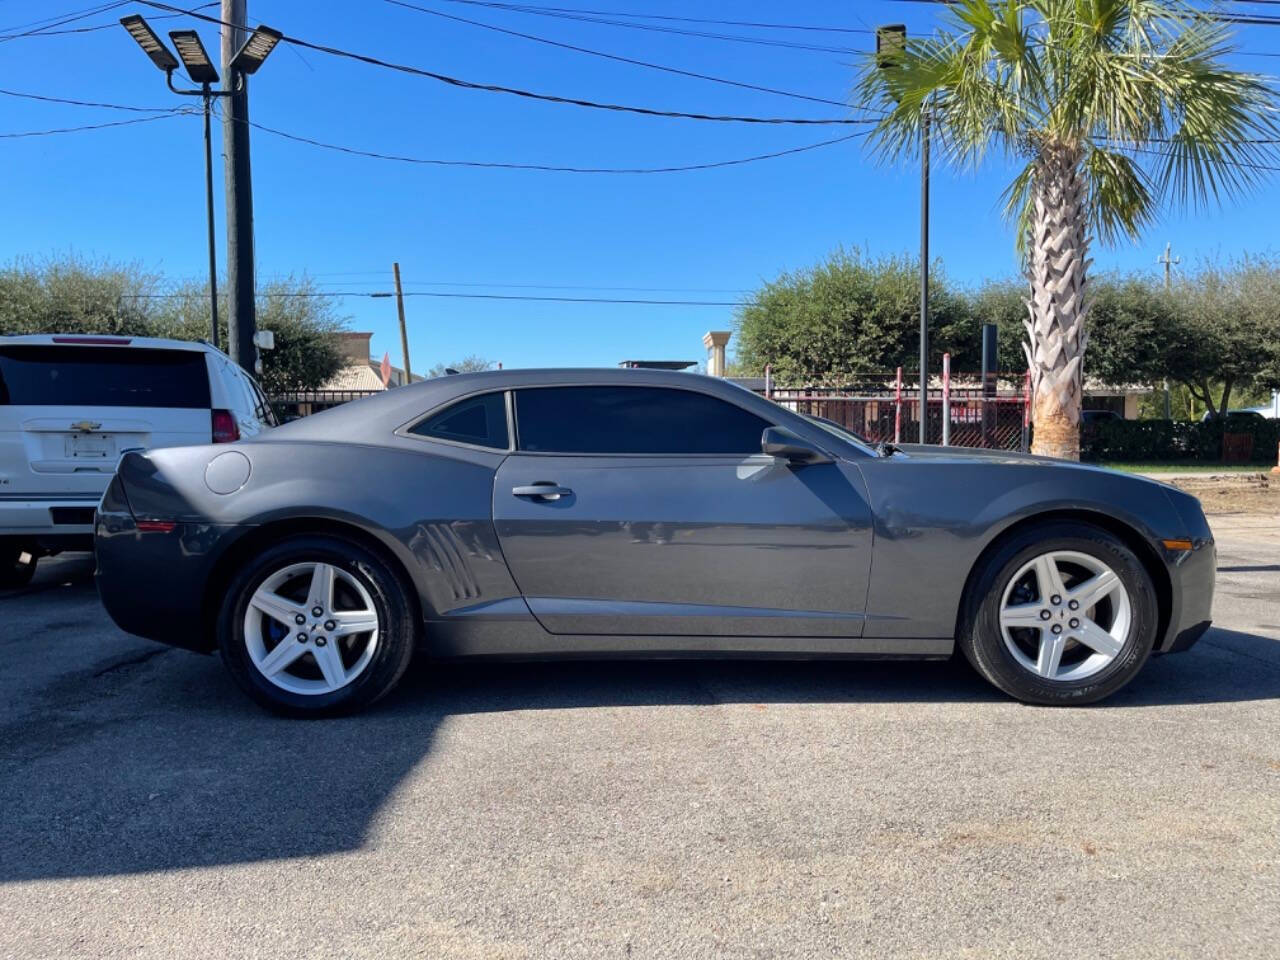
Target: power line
x,y
616,57
528,94
528,8
48,31
60,20
552,168
515,286
384,294
87,103
566,13
177,111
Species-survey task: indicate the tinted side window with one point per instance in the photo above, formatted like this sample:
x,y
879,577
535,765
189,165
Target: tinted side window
x,y
632,420
102,377
478,420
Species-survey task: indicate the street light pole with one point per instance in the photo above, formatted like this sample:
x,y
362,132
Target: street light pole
x,y
201,70
208,205
891,43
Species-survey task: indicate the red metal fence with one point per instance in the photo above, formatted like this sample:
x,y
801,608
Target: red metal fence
x,y
881,407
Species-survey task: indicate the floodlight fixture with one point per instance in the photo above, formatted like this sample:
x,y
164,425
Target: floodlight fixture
x,y
255,50
891,43
151,44
199,67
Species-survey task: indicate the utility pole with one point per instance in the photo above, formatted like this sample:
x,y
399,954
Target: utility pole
x,y
1169,262
924,279
404,334
242,322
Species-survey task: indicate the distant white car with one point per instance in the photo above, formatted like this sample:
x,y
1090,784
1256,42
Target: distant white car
x,y
71,406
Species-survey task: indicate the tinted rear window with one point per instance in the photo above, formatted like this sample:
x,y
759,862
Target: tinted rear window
x,y
633,420
41,376
478,420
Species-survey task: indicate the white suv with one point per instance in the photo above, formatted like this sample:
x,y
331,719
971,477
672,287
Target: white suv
x,y
70,406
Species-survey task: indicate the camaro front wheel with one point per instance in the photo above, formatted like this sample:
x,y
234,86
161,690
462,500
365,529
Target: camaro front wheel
x,y
1060,614
316,626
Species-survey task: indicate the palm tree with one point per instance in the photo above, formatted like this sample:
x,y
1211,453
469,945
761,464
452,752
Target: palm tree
x,y
1110,108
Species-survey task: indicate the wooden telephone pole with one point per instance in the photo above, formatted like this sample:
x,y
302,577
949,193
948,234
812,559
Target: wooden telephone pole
x,y
404,334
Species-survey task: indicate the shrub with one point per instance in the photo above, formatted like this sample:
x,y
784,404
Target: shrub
x,y
1145,440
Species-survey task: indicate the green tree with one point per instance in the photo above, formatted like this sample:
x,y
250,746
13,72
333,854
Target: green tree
x,y
75,295
851,314
1110,107
72,294
1002,302
303,320
1217,332
1133,321
1230,337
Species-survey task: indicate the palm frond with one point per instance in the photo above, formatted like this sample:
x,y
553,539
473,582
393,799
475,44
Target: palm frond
x,y
1141,86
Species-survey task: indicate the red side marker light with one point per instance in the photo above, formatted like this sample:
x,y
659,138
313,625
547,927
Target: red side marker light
x,y
155,526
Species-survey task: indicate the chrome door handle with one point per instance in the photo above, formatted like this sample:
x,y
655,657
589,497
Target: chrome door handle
x,y
542,490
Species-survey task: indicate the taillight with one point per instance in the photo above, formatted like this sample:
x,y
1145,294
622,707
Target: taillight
x,y
225,428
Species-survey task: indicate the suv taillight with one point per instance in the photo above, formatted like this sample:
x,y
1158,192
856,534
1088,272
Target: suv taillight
x,y
225,428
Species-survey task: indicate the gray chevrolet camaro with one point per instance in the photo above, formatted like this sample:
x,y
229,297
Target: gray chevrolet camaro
x,y
628,513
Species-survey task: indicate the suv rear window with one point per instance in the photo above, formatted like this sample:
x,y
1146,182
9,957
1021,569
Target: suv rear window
x,y
45,376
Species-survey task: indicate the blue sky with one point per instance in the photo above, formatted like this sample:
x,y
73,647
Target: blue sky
x,y
135,193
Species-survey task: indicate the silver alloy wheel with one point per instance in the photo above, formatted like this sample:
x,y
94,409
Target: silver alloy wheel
x,y
311,628
1065,615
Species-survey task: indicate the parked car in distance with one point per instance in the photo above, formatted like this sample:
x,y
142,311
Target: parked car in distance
x,y
70,406
1235,418
637,513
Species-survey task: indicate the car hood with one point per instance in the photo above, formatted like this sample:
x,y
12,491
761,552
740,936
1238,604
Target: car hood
x,y
936,454
969,454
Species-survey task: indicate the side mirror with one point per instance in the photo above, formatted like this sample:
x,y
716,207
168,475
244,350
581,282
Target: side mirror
x,y
781,442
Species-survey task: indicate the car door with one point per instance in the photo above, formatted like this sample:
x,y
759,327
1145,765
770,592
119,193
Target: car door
x,y
651,511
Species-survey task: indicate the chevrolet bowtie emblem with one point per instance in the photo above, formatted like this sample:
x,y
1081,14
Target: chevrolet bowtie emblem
x,y
86,426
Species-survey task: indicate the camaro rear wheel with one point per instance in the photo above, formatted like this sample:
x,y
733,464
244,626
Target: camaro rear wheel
x,y
1061,614
316,626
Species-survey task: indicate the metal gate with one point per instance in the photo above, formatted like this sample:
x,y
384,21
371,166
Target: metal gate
x,y
882,408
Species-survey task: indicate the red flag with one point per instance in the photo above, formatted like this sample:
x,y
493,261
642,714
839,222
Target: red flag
x,y
385,369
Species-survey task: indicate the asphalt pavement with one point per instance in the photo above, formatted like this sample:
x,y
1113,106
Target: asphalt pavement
x,y
662,810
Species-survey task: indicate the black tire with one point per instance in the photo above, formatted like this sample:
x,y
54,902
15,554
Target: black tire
x,y
14,570
983,643
396,626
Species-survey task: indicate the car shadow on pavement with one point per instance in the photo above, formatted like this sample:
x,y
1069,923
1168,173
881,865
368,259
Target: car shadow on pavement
x,y
155,761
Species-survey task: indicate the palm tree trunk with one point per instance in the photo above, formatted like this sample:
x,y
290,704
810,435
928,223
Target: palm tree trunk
x,y
1057,264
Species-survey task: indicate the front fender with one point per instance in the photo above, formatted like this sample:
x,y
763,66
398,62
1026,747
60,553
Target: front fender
x,y
934,516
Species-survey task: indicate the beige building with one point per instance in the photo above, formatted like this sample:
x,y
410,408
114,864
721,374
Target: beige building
x,y
359,376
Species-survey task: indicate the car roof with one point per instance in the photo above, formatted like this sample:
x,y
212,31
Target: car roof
x,y
108,340
373,418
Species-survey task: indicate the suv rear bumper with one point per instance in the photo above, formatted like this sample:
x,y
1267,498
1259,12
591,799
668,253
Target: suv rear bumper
x,y
39,518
